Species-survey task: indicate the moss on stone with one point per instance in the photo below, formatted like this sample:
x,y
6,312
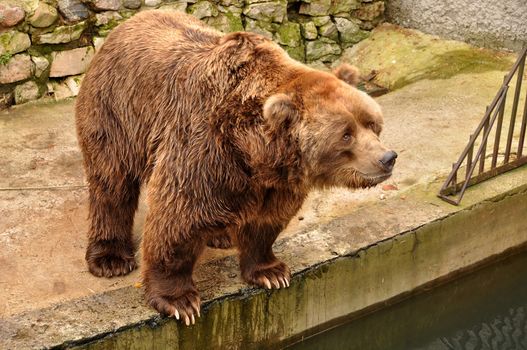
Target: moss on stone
x,y
323,49
261,27
226,22
309,30
343,6
404,56
321,20
329,30
13,42
289,34
62,34
297,53
4,58
202,9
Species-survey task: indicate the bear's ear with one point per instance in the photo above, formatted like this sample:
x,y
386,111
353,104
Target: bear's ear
x,y
279,111
348,73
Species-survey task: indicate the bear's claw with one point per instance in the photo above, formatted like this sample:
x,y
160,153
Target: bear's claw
x,y
111,266
276,276
110,258
185,307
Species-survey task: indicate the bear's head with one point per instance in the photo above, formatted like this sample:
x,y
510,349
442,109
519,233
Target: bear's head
x,y
337,128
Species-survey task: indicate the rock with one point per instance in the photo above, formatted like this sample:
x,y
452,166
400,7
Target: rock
x,y
368,25
371,11
389,187
237,3
297,53
274,11
7,99
71,62
350,31
62,34
26,92
74,84
108,17
132,4
29,6
99,5
343,6
232,9
41,65
175,6
289,34
10,15
309,30
321,20
73,10
18,68
12,42
226,22
329,30
264,28
315,8
60,90
343,15
322,49
153,3
203,9
44,16
97,42
346,28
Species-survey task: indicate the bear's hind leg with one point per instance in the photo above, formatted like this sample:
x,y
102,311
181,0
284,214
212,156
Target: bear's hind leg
x,y
258,264
113,203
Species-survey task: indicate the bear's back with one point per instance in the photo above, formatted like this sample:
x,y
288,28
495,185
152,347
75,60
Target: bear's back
x,y
135,72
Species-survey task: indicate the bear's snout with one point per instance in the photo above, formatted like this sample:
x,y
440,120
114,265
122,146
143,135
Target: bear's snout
x,y
388,160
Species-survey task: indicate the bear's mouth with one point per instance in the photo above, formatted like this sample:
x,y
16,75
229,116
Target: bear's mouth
x,y
375,179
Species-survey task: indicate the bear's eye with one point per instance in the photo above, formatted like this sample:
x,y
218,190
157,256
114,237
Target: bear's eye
x,y
371,125
346,137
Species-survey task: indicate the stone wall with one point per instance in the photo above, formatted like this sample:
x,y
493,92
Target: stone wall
x,y
46,45
489,23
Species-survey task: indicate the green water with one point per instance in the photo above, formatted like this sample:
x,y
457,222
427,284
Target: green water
x,y
486,309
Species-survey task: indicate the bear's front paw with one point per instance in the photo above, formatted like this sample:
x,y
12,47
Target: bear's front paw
x,y
276,275
185,307
108,260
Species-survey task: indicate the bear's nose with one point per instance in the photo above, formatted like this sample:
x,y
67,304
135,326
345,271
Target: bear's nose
x,y
388,160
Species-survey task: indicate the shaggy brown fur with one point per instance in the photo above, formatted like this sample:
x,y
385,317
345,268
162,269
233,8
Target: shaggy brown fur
x,y
228,132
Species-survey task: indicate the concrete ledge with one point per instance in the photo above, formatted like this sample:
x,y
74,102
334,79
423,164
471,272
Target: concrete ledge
x,y
437,240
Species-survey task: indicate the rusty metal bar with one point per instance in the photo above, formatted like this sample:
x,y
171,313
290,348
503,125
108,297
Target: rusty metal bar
x,y
448,191
494,112
478,156
514,108
465,151
522,129
469,156
500,169
498,131
454,179
484,144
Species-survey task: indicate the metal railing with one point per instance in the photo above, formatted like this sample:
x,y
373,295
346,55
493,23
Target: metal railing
x,y
507,152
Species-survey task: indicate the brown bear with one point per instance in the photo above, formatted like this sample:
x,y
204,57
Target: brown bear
x,y
228,133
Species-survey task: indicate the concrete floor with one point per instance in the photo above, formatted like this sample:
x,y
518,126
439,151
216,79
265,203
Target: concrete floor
x,y
43,201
